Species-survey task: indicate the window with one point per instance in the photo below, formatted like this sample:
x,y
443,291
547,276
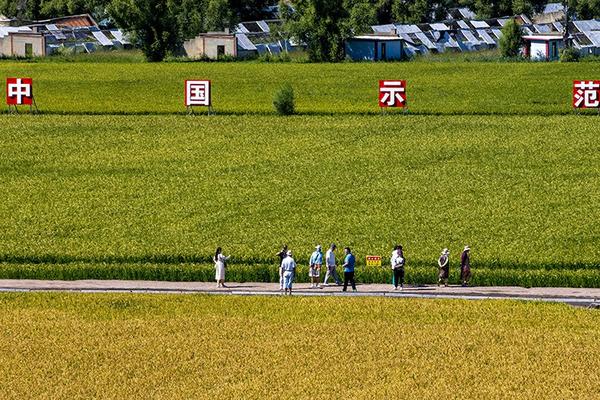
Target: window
x,y
28,49
220,51
383,55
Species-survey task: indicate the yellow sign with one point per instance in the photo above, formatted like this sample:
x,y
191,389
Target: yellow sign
x,y
373,261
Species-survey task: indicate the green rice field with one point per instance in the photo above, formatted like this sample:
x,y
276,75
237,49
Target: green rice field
x,y
488,155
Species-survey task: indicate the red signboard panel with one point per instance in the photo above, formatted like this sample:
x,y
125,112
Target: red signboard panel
x,y
392,93
586,94
19,91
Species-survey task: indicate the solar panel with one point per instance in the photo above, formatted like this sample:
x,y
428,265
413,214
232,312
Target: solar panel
x,y
425,40
470,37
244,42
117,34
485,36
480,24
264,26
101,37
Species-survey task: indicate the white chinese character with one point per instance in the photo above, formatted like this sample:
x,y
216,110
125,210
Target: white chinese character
x,y
392,92
19,90
197,93
586,94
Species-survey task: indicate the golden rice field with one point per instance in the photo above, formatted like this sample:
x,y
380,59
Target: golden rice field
x,y
121,346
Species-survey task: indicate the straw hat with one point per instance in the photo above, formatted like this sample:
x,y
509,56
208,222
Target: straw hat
x,y
467,248
445,252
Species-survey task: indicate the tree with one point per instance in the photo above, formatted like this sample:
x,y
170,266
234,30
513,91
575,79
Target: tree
x,y
322,25
511,40
153,22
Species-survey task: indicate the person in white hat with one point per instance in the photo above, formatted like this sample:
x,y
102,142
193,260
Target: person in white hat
x,y
444,267
397,261
465,266
314,270
288,266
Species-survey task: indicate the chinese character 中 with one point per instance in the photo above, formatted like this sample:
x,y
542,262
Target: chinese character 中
x,y
19,92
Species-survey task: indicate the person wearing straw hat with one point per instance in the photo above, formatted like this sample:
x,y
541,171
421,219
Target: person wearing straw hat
x,y
314,270
288,266
444,265
465,266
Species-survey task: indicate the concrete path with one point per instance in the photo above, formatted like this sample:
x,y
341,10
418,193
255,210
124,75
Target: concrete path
x,y
573,296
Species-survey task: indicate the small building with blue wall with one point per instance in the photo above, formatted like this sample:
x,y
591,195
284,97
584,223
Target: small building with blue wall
x,y
374,48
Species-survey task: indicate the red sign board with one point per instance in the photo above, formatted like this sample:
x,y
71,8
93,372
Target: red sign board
x,y
197,93
586,94
392,93
19,91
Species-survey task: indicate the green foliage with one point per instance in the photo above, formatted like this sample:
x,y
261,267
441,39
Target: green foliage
x,y
322,25
569,54
284,100
511,41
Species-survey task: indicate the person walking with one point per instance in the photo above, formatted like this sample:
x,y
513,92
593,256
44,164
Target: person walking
x,y
288,267
465,266
282,255
314,270
220,265
331,267
397,262
444,267
348,266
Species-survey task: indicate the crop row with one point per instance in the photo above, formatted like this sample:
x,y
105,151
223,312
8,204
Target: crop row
x,y
247,88
269,273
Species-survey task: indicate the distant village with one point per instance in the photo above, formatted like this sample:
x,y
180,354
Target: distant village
x,y
544,36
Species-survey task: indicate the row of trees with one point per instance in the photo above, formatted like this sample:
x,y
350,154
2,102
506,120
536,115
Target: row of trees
x,y
161,26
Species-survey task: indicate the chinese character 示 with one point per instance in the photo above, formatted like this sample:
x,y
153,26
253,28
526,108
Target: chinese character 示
x,y
197,93
392,93
586,94
19,91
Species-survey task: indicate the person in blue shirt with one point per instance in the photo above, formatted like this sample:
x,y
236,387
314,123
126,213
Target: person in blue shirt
x,y
348,266
314,270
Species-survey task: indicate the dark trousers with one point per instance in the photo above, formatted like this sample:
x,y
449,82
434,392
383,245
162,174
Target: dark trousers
x,y
398,278
349,277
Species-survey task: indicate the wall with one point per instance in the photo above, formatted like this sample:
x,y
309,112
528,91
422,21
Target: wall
x,y
538,50
359,50
207,46
14,45
393,50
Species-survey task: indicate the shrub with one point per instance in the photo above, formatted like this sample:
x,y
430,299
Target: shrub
x,y
284,100
569,54
511,40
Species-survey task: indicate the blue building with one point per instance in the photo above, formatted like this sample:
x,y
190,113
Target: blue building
x,y
374,48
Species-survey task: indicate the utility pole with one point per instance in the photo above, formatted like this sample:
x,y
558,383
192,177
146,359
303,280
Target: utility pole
x,y
566,39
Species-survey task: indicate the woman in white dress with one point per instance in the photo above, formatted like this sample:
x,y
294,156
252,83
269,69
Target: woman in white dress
x,y
220,261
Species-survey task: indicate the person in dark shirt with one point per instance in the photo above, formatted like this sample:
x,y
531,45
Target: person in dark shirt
x,y
465,266
348,266
282,255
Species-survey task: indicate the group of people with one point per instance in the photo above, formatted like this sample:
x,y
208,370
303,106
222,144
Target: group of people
x,y
287,268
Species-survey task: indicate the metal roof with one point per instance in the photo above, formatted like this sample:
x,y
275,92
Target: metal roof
x,y
377,37
6,30
383,28
542,37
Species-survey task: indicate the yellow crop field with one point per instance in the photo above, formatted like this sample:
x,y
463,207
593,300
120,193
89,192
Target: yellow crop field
x,y
120,346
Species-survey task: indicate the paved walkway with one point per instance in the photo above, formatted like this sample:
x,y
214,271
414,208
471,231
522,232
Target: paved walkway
x,y
574,296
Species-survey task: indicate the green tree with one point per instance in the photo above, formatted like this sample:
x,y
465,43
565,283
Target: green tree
x,y
322,24
153,22
512,39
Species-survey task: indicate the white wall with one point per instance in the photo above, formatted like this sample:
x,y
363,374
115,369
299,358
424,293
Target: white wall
x,y
538,51
14,45
207,46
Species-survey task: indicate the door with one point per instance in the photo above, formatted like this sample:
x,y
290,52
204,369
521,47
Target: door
x,y
28,50
220,51
383,52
